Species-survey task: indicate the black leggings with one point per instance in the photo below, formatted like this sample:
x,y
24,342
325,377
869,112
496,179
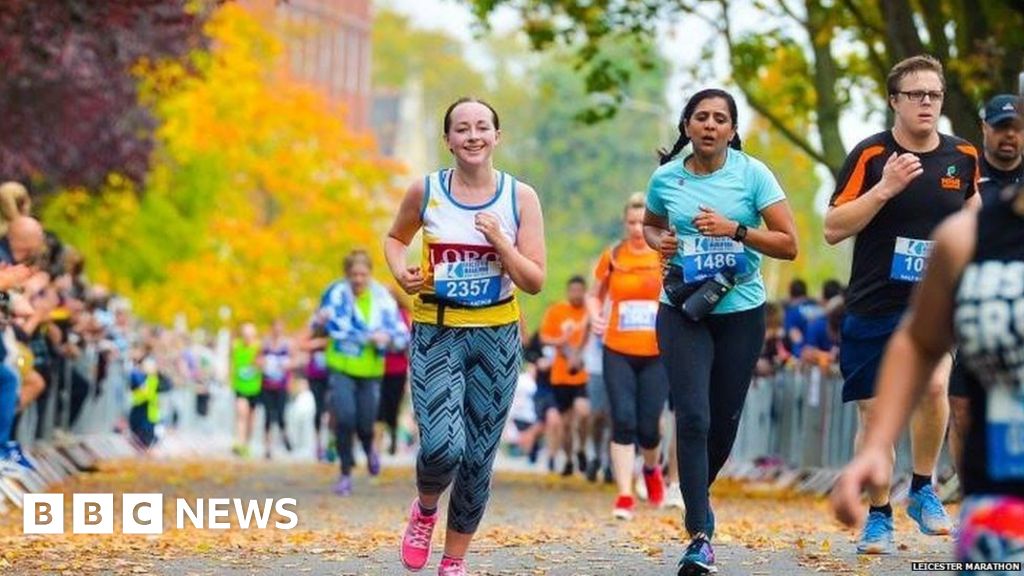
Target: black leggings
x,y
637,389
319,388
274,402
710,364
392,390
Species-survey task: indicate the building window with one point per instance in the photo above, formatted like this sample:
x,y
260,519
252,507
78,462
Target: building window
x,y
365,76
352,69
338,59
325,40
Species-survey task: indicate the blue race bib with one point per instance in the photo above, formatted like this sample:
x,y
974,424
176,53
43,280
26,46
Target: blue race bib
x,y
1004,429
469,282
909,259
273,368
703,257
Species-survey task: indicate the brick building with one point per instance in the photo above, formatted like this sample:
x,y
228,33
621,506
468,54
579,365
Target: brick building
x,y
329,46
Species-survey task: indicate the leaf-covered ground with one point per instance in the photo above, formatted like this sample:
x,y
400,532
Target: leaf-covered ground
x,y
535,525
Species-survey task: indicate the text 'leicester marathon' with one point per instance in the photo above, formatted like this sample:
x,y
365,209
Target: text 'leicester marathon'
x,y
966,566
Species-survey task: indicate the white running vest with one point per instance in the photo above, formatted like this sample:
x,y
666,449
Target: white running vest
x,y
459,264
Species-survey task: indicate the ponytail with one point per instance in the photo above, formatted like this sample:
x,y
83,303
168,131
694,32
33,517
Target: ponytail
x,y
735,143
665,157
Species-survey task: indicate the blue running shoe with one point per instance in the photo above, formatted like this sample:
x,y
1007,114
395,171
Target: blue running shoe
x,y
14,454
699,558
877,535
926,509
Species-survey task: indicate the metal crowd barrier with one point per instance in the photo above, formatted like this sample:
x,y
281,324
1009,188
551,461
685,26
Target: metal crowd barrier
x,y
55,447
796,432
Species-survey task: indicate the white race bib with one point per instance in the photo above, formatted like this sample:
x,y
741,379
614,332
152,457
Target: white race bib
x,y
637,315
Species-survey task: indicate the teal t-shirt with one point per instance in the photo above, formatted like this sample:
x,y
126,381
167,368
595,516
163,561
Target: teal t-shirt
x,y
739,191
369,363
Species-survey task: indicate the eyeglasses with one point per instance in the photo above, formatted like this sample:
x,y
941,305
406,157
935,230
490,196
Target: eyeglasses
x,y
918,95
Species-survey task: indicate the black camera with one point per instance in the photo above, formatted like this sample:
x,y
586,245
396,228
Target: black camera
x,y
704,300
676,289
695,300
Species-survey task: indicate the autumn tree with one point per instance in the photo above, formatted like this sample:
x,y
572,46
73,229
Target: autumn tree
x,y
257,188
69,112
823,54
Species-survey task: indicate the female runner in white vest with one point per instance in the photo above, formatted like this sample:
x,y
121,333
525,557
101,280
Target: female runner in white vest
x,y
483,236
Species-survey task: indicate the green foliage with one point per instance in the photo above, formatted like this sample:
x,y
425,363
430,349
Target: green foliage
x,y
795,171
822,54
582,172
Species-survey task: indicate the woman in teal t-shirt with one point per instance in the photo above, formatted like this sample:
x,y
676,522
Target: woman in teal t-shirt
x,y
704,214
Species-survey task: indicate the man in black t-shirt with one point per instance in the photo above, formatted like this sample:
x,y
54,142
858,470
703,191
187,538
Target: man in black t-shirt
x,y
894,190
1003,144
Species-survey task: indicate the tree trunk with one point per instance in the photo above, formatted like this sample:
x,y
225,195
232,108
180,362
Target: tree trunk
x,y
959,106
902,40
825,78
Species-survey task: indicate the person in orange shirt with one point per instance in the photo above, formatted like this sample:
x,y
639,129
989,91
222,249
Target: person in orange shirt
x,y
565,328
623,308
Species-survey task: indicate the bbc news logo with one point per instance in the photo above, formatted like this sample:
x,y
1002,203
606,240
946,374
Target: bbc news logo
x,y
144,513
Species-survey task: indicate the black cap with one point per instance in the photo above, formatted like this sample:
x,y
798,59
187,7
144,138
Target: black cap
x,y
1000,108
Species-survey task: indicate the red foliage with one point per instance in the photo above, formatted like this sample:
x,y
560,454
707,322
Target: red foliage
x,y
68,110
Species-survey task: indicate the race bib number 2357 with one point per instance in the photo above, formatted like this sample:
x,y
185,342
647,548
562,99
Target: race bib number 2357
x,y
473,283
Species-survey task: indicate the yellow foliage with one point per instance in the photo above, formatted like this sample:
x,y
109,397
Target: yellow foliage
x,y
257,188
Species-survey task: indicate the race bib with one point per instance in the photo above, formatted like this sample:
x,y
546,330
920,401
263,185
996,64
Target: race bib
x,y
703,257
246,373
909,259
637,315
273,368
472,282
1004,426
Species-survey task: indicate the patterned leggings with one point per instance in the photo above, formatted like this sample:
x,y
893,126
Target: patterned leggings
x,y
463,380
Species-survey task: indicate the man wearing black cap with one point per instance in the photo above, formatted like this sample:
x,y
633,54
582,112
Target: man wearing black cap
x,y
1003,144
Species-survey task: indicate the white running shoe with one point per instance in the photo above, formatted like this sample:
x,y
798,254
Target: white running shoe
x,y
674,497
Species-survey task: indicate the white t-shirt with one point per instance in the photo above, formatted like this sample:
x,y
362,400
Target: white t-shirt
x,y
523,408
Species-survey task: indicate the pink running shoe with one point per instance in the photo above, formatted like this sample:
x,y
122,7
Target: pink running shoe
x,y
451,567
416,541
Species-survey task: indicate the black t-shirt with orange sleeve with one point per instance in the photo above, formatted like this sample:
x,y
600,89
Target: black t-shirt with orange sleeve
x,y
889,253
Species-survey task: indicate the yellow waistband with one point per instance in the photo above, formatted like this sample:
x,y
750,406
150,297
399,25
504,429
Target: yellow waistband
x,y
499,315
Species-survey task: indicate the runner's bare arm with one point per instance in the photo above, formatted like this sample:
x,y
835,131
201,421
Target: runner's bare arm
x,y
778,238
973,203
659,235
407,222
